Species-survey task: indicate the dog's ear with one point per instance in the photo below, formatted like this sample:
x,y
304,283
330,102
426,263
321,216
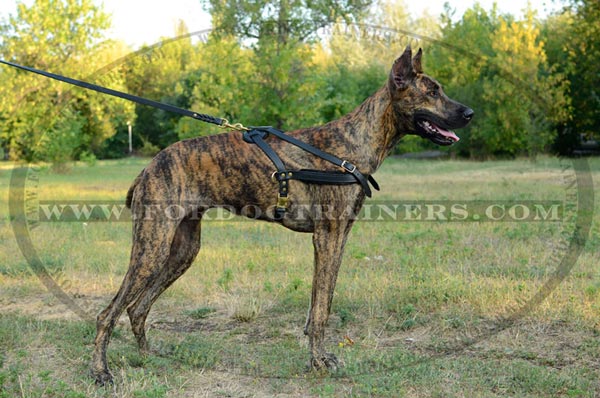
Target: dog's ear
x,y
402,71
417,62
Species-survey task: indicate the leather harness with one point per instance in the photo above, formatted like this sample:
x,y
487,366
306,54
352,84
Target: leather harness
x,y
349,174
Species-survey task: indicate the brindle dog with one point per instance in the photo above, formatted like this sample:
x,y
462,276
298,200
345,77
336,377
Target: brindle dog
x,y
223,170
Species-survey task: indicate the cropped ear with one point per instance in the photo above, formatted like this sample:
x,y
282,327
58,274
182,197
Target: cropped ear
x,y
417,62
402,72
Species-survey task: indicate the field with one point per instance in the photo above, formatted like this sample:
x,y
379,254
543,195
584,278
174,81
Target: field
x,y
433,301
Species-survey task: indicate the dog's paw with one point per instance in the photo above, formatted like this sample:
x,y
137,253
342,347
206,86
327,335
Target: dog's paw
x,y
102,378
327,362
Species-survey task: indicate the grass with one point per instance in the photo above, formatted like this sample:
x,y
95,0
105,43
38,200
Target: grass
x,y
418,309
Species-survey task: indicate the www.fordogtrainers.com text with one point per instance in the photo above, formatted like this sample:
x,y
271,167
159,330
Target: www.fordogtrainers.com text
x,y
421,211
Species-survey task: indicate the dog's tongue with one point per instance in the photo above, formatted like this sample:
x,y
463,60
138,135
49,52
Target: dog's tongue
x,y
447,133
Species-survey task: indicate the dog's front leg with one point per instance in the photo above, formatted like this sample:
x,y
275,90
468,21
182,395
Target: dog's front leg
x,y
329,240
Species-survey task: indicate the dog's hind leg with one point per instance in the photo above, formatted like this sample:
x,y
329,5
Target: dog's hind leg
x,y
184,248
149,254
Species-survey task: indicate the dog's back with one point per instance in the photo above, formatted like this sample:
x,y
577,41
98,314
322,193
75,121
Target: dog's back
x,y
135,183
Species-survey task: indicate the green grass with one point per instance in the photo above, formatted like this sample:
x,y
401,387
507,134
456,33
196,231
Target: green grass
x,y
417,312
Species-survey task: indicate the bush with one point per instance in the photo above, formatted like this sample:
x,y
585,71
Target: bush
x,y
148,149
59,144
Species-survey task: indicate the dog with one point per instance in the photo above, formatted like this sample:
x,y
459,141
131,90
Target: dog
x,y
224,170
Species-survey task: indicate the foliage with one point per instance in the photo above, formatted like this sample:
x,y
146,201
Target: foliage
x,y
160,73
505,77
284,77
218,88
585,77
256,86
287,85
148,149
47,120
284,20
574,48
346,85
59,143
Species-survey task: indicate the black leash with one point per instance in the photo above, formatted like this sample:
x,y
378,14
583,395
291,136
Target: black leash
x,y
254,135
119,94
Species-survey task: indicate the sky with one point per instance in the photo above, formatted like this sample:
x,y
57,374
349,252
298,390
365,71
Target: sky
x,y
138,22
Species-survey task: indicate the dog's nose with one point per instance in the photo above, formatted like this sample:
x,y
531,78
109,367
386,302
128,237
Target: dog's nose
x,y
468,114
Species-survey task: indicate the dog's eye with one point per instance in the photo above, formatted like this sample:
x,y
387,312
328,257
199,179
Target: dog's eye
x,y
433,93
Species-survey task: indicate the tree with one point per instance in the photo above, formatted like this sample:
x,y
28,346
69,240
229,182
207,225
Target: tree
x,y
298,20
162,73
44,119
218,85
585,78
573,38
281,36
504,75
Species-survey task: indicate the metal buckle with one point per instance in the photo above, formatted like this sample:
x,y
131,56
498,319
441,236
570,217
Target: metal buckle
x,y
344,163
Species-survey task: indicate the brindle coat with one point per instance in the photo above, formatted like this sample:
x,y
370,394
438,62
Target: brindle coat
x,y
223,170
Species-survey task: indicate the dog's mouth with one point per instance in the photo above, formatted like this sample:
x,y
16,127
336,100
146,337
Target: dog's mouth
x,y
434,132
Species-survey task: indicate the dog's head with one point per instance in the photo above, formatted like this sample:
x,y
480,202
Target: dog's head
x,y
420,103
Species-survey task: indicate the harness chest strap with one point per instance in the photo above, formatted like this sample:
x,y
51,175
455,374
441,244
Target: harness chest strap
x,y
350,175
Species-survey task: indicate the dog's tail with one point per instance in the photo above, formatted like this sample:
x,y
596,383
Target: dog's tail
x,y
135,183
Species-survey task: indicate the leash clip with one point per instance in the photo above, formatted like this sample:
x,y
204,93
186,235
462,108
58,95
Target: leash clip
x,y
236,126
282,202
280,207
